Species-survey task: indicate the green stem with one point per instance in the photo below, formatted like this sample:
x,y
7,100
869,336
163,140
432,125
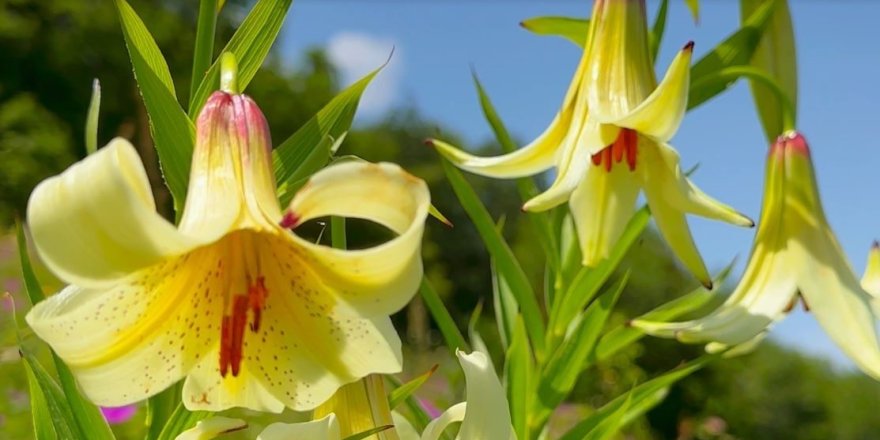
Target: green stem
x,y
92,118
229,73
204,48
337,233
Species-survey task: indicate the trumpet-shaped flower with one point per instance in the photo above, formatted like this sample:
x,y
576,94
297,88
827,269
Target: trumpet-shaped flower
x,y
485,415
609,141
795,255
247,312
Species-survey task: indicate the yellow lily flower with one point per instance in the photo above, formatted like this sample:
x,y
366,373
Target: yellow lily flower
x,y
250,314
795,255
610,140
485,415
871,277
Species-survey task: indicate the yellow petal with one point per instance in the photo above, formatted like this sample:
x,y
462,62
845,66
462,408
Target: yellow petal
x,y
660,114
663,177
359,407
378,280
326,428
206,390
573,162
96,222
871,277
211,428
672,224
601,207
536,157
488,415
129,341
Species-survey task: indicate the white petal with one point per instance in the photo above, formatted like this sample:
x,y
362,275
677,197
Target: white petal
x,y
97,222
404,428
378,280
211,428
326,428
435,428
488,415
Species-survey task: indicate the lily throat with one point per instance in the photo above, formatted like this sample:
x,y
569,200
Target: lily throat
x,y
625,146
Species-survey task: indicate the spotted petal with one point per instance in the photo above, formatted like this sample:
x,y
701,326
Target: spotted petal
x,y
96,222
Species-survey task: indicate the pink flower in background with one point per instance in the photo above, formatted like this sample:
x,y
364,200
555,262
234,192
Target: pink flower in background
x,y
429,408
118,414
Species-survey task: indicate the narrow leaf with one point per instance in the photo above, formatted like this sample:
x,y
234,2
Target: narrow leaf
x,y
647,390
42,419
504,304
180,420
173,133
204,49
519,369
368,433
419,418
59,411
568,361
404,391
526,185
451,334
573,29
31,284
331,121
250,44
92,118
161,409
735,50
611,423
694,6
656,35
508,266
776,55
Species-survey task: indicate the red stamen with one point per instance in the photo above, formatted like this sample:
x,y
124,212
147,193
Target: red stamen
x,y
257,299
239,319
225,345
607,158
597,158
618,147
631,143
625,145
290,220
233,325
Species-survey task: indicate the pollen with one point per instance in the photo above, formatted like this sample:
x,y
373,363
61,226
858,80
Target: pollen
x,y
625,146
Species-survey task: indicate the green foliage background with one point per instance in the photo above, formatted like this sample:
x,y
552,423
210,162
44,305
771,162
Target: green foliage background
x,y
56,47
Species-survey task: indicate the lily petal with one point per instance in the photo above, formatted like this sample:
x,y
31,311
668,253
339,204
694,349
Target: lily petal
x,y
435,428
488,415
405,429
110,225
212,427
871,278
536,157
664,178
573,163
326,428
672,224
601,206
661,113
378,280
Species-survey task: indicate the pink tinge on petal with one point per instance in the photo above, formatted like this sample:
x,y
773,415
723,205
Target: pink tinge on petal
x,y
119,414
430,409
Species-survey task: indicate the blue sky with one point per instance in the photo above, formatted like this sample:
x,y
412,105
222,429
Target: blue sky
x,y
437,42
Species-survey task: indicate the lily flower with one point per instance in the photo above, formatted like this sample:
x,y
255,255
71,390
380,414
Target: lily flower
x,y
250,314
871,277
485,415
609,141
795,256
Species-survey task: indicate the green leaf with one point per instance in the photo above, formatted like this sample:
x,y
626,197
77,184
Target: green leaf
x,y
161,410
180,420
611,423
568,361
204,48
775,54
519,370
508,266
419,418
526,185
404,391
590,279
332,121
656,35
173,133
735,50
694,6
624,335
64,424
42,419
504,304
573,29
92,118
451,334
86,415
639,394
250,44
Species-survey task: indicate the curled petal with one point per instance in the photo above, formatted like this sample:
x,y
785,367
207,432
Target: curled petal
x,y
97,222
381,279
326,428
531,159
573,162
601,207
435,428
212,427
663,176
488,414
661,113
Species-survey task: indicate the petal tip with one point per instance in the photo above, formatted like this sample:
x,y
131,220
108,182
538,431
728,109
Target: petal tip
x,y
875,245
689,47
430,142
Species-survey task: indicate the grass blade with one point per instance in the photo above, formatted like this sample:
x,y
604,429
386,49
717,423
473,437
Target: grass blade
x,y
406,390
519,371
204,48
570,28
92,118
451,334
